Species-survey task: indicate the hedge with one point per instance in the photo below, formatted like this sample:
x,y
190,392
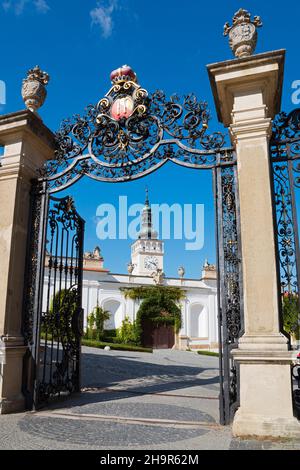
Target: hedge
x,y
208,353
114,346
93,343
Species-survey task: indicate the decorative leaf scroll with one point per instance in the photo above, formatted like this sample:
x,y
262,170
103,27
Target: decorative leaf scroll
x,y
285,229
231,257
285,158
286,127
285,155
128,134
285,143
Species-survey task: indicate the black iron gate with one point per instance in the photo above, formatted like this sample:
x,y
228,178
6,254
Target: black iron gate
x,y
127,135
53,322
285,165
231,322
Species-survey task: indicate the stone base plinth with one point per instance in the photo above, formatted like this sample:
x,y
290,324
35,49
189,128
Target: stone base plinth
x,y
251,425
183,343
11,397
16,405
266,402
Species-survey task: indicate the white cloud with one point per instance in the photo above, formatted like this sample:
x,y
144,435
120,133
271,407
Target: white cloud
x,y
41,6
6,5
102,15
18,6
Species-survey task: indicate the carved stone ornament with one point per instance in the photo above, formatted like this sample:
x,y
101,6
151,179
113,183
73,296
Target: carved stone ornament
x,y
209,267
34,88
243,33
181,272
130,268
158,276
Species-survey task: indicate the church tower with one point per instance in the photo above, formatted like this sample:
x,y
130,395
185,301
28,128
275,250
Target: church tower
x,y
147,252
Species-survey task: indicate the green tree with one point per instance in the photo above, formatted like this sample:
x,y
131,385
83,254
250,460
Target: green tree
x,y
161,306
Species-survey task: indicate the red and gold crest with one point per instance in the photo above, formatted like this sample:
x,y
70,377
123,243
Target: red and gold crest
x,y
125,98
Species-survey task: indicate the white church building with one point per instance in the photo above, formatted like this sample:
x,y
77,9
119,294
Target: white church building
x,y
199,309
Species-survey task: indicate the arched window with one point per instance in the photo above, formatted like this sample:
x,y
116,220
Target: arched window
x,y
116,313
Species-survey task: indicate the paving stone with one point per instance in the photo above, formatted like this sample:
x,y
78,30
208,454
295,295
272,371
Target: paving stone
x,y
103,434
172,385
143,410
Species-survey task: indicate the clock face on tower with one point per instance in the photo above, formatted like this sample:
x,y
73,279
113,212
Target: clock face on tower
x,y
151,263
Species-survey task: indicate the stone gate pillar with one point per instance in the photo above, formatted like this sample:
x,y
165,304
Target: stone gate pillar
x,y
247,94
28,143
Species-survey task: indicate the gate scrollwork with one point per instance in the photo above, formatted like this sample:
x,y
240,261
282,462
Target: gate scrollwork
x,y
285,160
130,133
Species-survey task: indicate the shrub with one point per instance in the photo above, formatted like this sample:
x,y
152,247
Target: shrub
x,y
96,321
110,332
127,334
62,309
110,336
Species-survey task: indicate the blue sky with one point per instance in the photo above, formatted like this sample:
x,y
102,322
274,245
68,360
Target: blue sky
x,y
168,43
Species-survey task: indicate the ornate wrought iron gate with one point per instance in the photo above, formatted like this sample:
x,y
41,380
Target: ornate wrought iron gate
x,y
126,135
285,163
231,320
53,322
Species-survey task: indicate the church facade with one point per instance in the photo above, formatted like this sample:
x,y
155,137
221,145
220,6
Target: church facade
x,y
199,308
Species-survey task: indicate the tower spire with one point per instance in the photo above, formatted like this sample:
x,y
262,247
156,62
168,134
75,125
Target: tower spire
x,y
147,231
147,252
147,197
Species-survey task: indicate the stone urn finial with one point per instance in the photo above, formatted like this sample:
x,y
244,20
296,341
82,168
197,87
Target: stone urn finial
x,y
130,268
243,33
34,88
181,272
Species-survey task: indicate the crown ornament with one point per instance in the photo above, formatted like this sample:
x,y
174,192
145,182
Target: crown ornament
x,y
123,74
124,99
243,33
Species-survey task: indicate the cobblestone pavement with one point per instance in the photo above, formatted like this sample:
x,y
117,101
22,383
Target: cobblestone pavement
x,y
165,400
